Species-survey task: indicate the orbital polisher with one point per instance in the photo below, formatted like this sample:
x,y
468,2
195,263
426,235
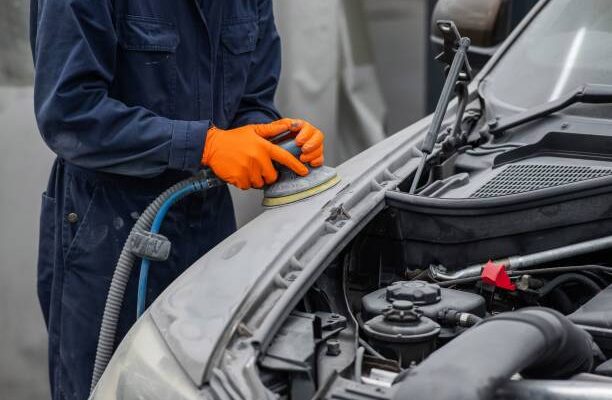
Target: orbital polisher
x,y
290,187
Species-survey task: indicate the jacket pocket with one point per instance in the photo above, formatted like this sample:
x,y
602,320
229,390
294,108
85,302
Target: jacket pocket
x,y
146,63
79,202
239,37
46,253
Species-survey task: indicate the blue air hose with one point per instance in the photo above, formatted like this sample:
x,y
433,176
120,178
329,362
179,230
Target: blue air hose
x,y
151,218
196,186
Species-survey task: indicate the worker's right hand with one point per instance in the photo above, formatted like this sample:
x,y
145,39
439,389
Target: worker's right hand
x,y
243,158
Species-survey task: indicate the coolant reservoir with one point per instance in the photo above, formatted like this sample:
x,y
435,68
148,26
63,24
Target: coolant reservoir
x,y
403,331
429,297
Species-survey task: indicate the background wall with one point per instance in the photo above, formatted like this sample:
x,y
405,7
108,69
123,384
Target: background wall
x,y
15,60
24,165
371,53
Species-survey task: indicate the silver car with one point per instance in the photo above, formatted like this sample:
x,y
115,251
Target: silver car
x,y
474,268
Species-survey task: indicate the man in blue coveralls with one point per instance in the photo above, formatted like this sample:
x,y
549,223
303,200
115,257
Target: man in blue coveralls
x,y
134,96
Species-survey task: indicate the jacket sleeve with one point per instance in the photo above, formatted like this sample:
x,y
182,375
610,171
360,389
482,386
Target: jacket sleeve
x,y
257,103
75,56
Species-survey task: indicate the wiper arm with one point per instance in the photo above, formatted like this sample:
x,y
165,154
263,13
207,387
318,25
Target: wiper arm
x,y
587,94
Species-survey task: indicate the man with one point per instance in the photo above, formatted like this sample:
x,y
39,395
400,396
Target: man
x,y
133,96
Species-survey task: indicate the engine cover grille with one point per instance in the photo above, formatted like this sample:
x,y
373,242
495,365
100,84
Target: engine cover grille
x,y
520,178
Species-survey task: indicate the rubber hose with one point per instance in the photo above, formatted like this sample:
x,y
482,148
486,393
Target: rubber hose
x,y
562,279
538,342
359,363
562,302
155,228
470,320
602,283
458,318
371,349
123,269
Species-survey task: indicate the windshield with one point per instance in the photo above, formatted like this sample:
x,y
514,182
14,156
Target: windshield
x,y
568,44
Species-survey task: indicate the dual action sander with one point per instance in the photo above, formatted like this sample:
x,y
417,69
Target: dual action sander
x,y
291,187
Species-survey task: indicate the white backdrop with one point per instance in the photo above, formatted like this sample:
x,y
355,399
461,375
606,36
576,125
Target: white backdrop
x,y
328,73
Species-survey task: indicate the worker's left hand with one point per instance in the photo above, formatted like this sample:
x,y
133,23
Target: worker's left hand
x,y
309,138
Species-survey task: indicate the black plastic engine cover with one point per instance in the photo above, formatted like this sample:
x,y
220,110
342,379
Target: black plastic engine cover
x,y
460,232
596,318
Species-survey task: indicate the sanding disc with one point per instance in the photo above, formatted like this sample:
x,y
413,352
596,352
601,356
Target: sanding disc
x,y
291,187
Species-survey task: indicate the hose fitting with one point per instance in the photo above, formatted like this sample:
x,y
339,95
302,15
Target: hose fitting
x,y
458,318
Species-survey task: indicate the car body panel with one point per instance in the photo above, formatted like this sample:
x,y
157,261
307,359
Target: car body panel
x,y
199,312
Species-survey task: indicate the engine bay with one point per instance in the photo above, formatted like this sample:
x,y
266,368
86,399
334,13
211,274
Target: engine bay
x,y
485,276
367,325
497,271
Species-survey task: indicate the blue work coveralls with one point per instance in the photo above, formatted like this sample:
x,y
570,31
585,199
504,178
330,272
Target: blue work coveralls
x,y
125,91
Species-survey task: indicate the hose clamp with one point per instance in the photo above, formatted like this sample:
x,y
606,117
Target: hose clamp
x,y
152,246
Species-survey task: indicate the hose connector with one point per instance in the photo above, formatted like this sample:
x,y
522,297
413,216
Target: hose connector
x,y
458,318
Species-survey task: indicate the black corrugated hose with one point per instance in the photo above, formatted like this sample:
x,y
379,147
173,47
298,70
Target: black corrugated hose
x,y
537,342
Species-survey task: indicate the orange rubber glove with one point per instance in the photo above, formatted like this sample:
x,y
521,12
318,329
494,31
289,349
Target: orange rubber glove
x,y
310,139
243,156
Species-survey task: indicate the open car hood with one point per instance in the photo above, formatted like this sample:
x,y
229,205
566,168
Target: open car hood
x,y
199,312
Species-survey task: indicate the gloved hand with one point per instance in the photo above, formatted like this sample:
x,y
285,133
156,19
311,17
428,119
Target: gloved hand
x,y
243,157
310,139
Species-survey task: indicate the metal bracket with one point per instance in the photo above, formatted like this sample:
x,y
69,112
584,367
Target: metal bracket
x,y
452,40
337,215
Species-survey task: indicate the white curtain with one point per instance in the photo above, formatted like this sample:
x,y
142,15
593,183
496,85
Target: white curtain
x,y
328,73
328,78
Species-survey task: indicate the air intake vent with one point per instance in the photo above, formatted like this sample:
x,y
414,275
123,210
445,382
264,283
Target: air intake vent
x,y
520,178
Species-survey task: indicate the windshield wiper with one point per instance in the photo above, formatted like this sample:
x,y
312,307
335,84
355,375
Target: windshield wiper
x,y
586,94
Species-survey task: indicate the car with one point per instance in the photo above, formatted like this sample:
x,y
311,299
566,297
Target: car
x,y
465,257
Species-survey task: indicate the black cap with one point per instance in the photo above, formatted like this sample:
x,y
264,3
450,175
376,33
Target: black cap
x,y
418,292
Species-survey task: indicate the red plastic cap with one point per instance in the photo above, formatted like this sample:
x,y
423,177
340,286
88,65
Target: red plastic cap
x,y
495,275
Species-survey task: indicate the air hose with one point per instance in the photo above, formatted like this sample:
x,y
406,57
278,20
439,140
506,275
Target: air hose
x,y
157,222
151,218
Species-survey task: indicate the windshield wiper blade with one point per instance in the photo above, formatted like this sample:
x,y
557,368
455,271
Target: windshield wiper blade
x,y
586,94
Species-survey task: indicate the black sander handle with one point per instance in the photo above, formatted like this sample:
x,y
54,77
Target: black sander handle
x,y
286,140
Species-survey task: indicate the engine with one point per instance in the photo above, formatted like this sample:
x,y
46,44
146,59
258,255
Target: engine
x,y
491,281
486,275
410,335
423,296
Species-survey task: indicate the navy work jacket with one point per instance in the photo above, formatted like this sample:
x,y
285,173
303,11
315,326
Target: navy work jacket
x,y
130,87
